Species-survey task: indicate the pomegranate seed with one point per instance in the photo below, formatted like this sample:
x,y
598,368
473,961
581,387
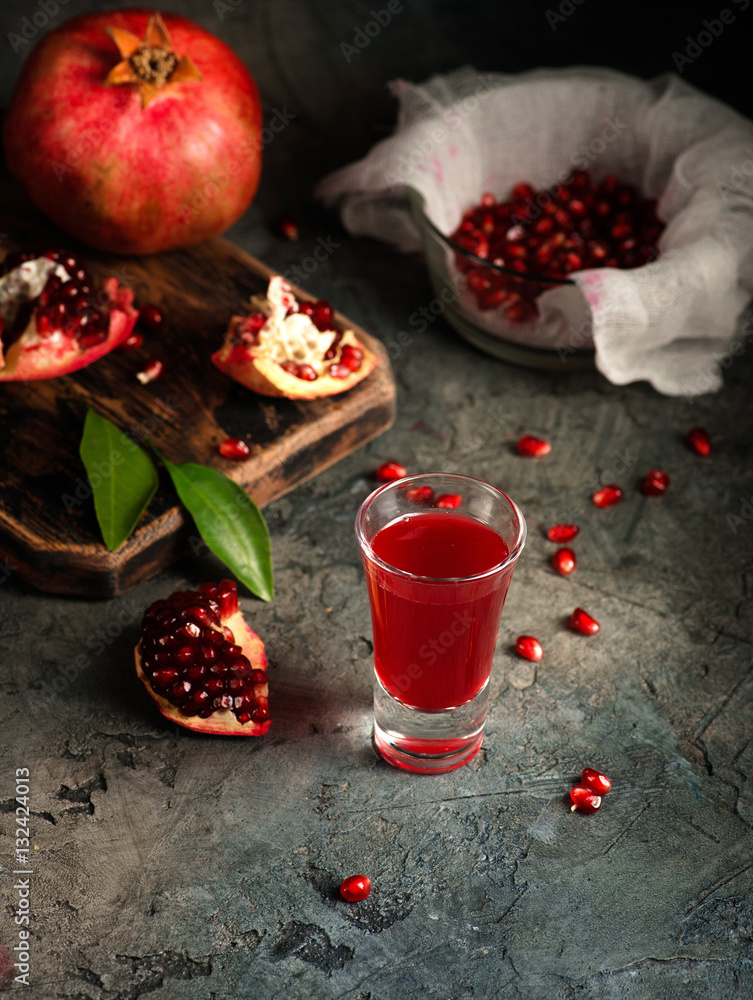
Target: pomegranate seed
x,y
355,888
389,471
584,800
562,532
564,561
419,494
699,441
449,501
132,342
339,371
596,781
287,228
351,357
529,647
153,318
581,621
607,496
153,370
533,447
306,372
235,448
655,484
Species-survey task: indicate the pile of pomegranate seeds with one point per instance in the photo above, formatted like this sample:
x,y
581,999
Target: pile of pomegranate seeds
x,y
529,647
355,888
564,561
190,658
655,484
581,621
551,233
389,471
71,306
235,448
699,441
588,794
607,496
531,446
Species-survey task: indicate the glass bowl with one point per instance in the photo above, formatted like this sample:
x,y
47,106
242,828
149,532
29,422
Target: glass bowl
x,y
496,309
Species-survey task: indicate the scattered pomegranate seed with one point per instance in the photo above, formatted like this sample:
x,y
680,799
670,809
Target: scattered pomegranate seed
x,y
533,447
235,448
585,800
132,342
655,484
420,494
529,647
564,561
152,317
596,781
607,496
287,228
448,501
355,888
581,621
562,532
389,471
699,441
153,370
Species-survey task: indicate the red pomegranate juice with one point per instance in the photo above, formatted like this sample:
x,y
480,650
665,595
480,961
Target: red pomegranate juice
x,y
434,636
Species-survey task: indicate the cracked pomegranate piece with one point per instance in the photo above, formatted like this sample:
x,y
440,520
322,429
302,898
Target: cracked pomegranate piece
x,y
292,349
355,888
53,320
596,781
584,799
204,667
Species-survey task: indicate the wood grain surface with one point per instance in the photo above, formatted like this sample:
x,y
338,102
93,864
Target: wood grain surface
x,y
48,530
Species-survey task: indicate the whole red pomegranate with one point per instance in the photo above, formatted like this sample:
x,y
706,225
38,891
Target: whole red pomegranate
x,y
135,132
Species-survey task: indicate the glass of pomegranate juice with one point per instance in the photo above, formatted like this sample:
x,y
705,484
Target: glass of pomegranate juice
x,y
438,551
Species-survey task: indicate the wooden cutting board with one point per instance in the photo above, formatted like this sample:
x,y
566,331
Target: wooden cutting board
x,y
48,531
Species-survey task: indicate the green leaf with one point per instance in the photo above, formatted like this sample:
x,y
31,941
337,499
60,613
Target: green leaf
x,y
122,476
229,522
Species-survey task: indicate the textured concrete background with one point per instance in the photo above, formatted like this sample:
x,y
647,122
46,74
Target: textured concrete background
x,y
181,867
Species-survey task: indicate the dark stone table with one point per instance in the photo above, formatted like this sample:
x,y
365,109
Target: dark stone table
x,y
172,865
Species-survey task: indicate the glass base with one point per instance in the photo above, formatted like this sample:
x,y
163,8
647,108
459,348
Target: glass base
x,y
428,742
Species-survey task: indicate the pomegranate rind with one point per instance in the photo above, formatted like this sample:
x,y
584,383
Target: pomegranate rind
x,y
222,722
31,357
266,377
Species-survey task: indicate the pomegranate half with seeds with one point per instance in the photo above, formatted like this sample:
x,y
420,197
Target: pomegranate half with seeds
x,y
52,318
292,349
201,663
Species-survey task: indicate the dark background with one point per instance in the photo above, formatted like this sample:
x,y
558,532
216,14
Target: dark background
x,y
293,48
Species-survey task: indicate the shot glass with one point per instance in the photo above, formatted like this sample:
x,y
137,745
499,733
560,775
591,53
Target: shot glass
x,y
438,552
